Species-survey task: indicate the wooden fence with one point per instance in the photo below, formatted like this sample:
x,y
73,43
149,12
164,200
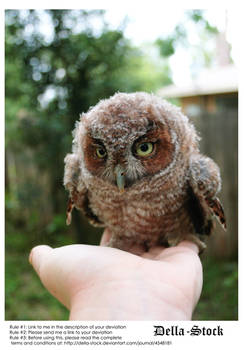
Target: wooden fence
x,y
219,140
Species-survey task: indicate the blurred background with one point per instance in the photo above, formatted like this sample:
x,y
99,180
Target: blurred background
x,y
59,63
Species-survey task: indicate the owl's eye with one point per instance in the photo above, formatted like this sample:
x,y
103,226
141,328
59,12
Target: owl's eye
x,y
144,149
101,152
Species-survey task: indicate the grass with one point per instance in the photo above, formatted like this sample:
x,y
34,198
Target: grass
x,y
219,299
27,299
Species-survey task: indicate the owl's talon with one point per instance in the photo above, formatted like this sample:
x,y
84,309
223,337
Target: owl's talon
x,y
199,243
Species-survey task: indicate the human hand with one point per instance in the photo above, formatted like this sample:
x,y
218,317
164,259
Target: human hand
x,y
102,283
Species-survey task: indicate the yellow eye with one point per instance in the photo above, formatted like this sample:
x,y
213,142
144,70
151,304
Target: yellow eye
x,y
101,152
144,149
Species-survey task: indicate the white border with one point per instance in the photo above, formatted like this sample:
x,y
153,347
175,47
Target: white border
x,y
232,330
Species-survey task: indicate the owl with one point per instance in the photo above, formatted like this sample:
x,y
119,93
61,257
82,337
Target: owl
x,y
136,169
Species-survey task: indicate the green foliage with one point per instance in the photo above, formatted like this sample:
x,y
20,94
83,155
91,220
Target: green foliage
x,y
57,224
166,46
198,17
219,299
194,21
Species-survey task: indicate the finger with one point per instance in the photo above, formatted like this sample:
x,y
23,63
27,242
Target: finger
x,y
38,255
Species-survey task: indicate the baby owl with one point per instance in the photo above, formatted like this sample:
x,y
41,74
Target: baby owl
x,y
136,169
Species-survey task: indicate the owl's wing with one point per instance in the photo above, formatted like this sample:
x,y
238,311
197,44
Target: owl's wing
x,y
78,193
204,184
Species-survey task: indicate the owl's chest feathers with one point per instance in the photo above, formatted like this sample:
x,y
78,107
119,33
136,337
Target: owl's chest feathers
x,y
140,212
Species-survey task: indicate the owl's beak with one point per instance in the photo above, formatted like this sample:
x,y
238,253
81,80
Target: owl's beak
x,y
120,177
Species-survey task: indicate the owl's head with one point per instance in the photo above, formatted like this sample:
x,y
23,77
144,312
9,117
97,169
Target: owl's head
x,y
132,136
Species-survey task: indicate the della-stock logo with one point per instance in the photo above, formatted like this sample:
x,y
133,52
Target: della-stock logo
x,y
194,331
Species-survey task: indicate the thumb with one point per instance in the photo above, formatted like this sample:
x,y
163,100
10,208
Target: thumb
x,y
48,266
38,255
